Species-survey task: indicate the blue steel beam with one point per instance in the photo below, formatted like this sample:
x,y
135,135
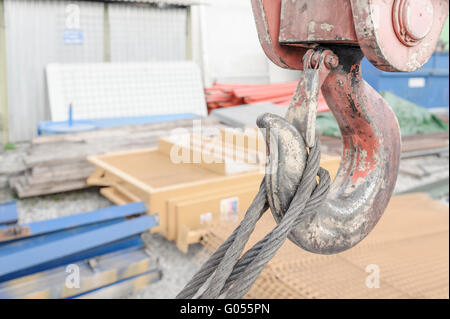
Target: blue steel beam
x,y
110,268
8,213
32,256
129,242
9,247
77,220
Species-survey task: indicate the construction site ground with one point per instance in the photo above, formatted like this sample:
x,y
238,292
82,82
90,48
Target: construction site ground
x,y
178,267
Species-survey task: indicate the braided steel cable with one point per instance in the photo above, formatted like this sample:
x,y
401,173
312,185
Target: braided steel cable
x,y
231,275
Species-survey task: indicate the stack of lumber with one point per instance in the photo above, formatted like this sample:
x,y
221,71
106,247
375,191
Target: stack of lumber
x,y
412,146
408,249
225,95
78,255
11,165
58,163
424,144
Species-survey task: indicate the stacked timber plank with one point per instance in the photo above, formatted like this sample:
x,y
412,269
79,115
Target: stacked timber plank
x,y
412,146
226,95
419,145
57,163
11,165
408,249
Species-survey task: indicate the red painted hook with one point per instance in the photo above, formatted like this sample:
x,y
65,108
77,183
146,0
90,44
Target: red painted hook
x,y
366,178
368,171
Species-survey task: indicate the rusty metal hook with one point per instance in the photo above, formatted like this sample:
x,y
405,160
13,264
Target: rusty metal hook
x,y
366,178
291,34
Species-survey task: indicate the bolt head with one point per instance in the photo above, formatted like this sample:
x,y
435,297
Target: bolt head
x,y
412,20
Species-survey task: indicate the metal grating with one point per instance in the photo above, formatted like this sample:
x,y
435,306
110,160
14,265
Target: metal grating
x,y
111,90
410,245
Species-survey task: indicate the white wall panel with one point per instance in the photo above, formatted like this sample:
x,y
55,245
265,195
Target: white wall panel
x,y
114,90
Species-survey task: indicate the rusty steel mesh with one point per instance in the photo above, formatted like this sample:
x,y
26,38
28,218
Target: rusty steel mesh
x,y
409,246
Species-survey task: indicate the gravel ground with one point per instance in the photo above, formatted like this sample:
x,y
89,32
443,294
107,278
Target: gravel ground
x,y
57,205
177,267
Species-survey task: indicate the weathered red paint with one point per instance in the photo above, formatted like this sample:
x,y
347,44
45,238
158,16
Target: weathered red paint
x,y
267,18
393,34
306,22
371,137
369,166
360,131
375,21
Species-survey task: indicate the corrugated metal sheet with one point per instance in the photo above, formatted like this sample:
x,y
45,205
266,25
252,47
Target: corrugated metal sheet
x,y
147,34
34,37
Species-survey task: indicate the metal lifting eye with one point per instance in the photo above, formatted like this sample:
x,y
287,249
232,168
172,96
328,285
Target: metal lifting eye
x,y
366,178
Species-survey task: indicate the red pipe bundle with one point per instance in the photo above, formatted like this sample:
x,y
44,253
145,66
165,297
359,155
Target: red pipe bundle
x,y
227,95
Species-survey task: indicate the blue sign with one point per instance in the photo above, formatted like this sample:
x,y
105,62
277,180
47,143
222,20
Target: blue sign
x,y
71,36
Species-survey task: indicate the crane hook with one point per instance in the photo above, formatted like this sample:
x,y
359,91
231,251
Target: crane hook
x,y
370,159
